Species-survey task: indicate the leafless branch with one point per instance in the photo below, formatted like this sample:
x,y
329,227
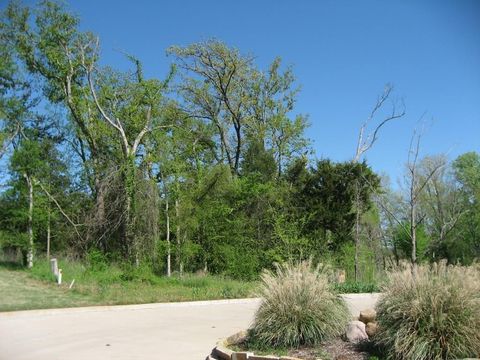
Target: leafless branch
x,y
365,144
6,143
75,226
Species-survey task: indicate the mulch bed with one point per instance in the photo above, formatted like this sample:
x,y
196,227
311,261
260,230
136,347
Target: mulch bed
x,y
336,349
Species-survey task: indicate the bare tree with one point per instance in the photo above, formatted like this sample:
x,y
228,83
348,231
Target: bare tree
x,y
364,143
417,184
441,199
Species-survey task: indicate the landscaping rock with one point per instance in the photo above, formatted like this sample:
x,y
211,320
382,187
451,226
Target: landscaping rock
x,y
371,328
356,332
367,316
237,338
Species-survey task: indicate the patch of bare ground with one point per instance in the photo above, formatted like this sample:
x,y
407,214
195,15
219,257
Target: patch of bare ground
x,y
336,349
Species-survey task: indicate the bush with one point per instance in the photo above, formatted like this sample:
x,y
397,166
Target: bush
x,y
435,315
96,260
355,287
298,308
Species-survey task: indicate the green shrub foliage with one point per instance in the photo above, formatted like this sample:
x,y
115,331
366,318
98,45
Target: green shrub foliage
x,y
298,307
434,315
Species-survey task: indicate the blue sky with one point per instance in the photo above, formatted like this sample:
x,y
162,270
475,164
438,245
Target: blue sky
x,y
343,53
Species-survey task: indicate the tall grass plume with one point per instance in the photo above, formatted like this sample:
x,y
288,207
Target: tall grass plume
x,y
298,307
432,315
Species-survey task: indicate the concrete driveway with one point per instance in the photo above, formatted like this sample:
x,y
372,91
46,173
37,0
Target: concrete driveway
x,y
180,331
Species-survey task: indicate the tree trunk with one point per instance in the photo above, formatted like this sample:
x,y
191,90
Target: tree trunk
x,y
169,254
48,233
395,254
30,222
181,259
413,236
357,240
129,235
279,164
129,211
413,223
238,148
357,229
99,216
178,236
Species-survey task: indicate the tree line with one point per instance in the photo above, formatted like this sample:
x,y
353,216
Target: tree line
x,y
208,168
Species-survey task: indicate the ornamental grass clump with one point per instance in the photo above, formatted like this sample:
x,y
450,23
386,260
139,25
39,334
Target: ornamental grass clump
x,y
298,307
434,315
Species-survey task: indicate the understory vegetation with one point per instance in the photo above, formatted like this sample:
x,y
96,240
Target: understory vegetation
x,y
112,285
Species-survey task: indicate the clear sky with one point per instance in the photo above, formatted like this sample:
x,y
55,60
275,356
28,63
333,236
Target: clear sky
x,y
343,53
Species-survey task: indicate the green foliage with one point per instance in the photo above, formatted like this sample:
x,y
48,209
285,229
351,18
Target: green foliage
x,y
240,264
434,315
326,194
10,239
259,161
96,260
298,307
464,245
403,242
127,284
208,166
355,287
467,172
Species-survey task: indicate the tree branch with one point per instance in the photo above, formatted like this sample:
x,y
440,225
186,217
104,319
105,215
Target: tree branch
x,y
60,209
364,145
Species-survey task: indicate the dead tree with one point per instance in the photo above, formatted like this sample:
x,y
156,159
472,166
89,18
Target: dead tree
x,y
364,143
416,186
441,200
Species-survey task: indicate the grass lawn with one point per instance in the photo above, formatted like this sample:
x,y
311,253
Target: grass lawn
x,y
18,291
22,289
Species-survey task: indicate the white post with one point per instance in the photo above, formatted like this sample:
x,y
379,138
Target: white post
x,y
59,277
54,266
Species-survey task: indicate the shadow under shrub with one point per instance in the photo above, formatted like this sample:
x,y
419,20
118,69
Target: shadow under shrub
x,y
435,315
298,308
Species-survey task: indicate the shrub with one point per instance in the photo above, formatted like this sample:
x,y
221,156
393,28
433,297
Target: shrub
x,y
355,287
435,315
298,307
96,260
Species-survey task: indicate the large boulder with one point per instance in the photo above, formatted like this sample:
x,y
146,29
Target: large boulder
x,y
367,316
356,332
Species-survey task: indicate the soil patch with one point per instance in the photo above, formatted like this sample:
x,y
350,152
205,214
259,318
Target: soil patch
x,y
336,349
